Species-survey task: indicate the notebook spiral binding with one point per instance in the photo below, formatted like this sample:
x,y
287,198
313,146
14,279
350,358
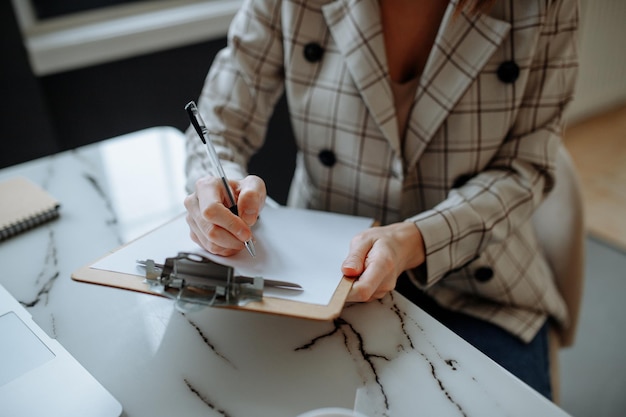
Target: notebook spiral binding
x,y
29,222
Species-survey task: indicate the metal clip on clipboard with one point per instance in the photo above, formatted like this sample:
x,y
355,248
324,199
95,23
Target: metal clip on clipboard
x,y
190,278
194,280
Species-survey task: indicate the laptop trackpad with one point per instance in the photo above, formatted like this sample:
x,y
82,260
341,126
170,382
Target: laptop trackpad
x,y
20,349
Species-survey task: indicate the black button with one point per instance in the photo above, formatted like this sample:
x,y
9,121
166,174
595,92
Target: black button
x,y
508,72
313,52
461,180
327,158
483,274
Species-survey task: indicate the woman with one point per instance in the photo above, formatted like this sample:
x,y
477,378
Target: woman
x,y
441,120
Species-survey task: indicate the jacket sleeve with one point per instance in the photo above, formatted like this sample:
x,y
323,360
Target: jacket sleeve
x,y
240,91
504,196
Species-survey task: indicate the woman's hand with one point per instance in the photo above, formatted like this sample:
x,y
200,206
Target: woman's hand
x,y
378,256
212,225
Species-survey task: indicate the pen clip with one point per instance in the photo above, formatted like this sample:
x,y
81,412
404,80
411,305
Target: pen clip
x,y
204,134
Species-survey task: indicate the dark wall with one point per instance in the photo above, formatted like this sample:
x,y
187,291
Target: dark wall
x,y
63,111
25,129
99,102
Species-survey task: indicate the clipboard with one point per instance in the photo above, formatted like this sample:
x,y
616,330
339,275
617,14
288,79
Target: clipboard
x,y
332,230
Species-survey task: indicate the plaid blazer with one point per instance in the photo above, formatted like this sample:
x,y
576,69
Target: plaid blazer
x,y
478,155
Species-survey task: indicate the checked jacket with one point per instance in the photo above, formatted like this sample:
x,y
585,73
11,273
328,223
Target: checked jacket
x,y
479,150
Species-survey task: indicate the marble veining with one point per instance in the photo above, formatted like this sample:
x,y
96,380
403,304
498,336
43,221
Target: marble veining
x,y
358,352
386,358
210,345
205,400
47,276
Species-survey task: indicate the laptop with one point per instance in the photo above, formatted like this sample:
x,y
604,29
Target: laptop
x,y
38,377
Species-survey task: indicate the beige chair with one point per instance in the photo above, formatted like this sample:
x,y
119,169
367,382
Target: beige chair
x,y
559,223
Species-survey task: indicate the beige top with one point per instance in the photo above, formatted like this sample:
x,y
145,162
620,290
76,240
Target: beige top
x,y
403,95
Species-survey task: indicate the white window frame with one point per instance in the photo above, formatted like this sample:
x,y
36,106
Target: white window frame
x,y
93,37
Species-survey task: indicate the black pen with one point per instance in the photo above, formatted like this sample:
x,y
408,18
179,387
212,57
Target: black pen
x,y
203,133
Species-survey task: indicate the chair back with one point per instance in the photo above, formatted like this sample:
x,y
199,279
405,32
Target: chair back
x,y
560,226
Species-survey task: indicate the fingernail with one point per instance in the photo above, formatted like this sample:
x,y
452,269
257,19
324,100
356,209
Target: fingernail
x,y
349,268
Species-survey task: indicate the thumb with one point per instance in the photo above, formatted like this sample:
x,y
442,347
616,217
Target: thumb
x,y
251,198
354,264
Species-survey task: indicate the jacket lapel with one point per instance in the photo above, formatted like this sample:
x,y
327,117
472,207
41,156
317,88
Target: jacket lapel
x,y
463,46
356,29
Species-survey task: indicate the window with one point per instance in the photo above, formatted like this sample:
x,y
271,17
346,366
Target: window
x,y
45,9
78,33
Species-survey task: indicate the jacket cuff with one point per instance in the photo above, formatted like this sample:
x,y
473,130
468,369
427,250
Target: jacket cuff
x,y
436,236
442,254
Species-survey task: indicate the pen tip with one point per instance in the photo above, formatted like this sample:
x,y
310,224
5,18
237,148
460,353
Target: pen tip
x,y
251,249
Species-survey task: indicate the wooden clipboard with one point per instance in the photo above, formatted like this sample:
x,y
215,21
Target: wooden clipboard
x,y
270,305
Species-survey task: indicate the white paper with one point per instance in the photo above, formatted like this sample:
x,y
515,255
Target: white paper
x,y
302,246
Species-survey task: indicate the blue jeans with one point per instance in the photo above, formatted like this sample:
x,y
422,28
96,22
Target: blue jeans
x,y
530,362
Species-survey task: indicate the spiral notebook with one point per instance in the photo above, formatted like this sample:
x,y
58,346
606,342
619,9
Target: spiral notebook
x,y
24,206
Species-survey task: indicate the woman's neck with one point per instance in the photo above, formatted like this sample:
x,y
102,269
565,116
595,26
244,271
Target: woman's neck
x,y
410,28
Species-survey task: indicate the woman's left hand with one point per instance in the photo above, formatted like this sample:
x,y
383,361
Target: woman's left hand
x,y
378,256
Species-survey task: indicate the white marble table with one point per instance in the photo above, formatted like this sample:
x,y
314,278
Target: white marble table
x,y
159,362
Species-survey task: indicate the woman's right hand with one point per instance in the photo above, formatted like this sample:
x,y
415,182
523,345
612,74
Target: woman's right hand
x,y
212,225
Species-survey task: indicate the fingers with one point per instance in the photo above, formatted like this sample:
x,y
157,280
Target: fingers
x,y
206,232
212,225
378,256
